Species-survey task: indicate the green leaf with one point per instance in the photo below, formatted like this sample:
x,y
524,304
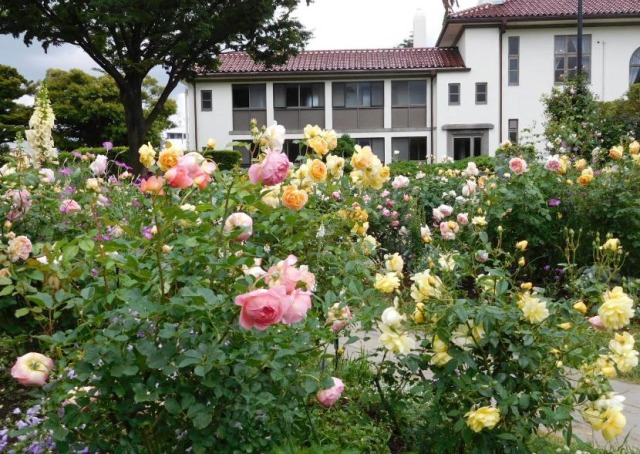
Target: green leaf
x,y
70,252
42,299
22,312
172,406
86,244
202,420
7,290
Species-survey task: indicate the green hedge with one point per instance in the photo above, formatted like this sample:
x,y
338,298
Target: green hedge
x,y
410,168
226,159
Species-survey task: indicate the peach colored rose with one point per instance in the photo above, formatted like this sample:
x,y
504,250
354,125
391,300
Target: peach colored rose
x,y
69,206
201,178
518,166
168,158
19,248
263,307
32,369
294,198
362,158
328,397
178,177
152,184
318,170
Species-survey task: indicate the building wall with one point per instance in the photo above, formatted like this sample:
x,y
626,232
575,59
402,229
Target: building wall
x,y
611,50
479,48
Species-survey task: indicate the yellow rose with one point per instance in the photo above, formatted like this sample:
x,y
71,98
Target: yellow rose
x,y
535,311
294,198
617,309
362,158
168,158
584,180
580,307
318,144
394,262
522,261
439,359
634,147
312,131
211,144
612,423
387,283
147,155
565,325
616,152
612,244
526,286
522,245
483,418
331,138
335,166
398,343
580,164
317,170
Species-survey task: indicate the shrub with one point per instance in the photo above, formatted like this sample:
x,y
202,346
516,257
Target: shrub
x,y
226,159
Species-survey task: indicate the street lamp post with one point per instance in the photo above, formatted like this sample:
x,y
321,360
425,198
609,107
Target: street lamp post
x,y
579,69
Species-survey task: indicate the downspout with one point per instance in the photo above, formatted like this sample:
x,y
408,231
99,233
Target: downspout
x,y
195,116
503,28
431,114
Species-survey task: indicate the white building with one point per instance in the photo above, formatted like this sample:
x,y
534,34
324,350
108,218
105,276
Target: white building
x,y
480,85
178,135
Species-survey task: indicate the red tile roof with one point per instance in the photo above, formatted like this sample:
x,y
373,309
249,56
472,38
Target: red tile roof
x,y
525,9
348,60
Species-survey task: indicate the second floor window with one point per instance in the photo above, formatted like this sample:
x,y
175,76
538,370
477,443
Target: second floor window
x,y
298,95
454,94
409,93
249,96
514,60
358,94
206,100
566,57
481,93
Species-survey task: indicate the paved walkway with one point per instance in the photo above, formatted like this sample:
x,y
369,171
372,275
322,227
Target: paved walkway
x,y
583,430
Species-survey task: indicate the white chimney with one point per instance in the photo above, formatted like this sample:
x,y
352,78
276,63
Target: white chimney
x,y
419,29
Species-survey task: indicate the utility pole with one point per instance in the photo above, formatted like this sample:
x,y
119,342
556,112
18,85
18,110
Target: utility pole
x,y
580,17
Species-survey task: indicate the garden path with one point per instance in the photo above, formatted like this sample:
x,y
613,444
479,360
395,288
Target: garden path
x,y
631,392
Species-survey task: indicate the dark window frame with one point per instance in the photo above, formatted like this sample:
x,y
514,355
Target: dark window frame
x,y
346,100
456,94
513,130
206,100
484,92
235,88
513,51
634,63
298,87
561,44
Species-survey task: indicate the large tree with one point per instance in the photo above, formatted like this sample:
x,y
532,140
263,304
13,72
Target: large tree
x,y
14,117
88,109
127,38
448,6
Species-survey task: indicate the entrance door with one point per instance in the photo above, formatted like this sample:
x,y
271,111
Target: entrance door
x,y
466,147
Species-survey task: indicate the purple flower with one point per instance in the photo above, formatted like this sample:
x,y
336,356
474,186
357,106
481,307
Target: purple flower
x,y
101,238
546,267
135,203
107,145
77,154
66,171
123,165
554,202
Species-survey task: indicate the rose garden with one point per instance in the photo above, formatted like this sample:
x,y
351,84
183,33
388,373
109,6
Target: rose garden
x,y
192,308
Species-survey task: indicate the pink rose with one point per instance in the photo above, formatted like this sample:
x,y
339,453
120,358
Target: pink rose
x,y
99,166
300,303
446,210
178,177
553,163
32,369
19,248
152,184
400,182
69,206
239,221
191,162
596,322
463,218
285,273
518,166
263,307
339,317
201,178
209,167
328,397
272,170
20,203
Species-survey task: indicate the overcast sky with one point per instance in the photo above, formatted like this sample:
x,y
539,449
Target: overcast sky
x,y
336,24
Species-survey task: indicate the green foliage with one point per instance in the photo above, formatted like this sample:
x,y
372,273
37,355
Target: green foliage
x,y
411,168
89,110
346,147
622,116
14,117
226,159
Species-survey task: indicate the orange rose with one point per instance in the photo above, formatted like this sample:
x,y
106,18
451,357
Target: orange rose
x,y
362,158
318,145
318,170
168,158
294,198
585,179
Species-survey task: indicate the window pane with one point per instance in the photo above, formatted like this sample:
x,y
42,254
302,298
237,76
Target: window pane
x,y
337,90
241,97
205,100
306,96
635,58
417,93
513,64
377,94
292,96
279,95
351,95
365,94
461,148
572,44
399,94
454,93
514,45
513,78
559,65
559,45
586,63
572,63
481,93
258,96
513,124
418,148
586,44
477,146
318,95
